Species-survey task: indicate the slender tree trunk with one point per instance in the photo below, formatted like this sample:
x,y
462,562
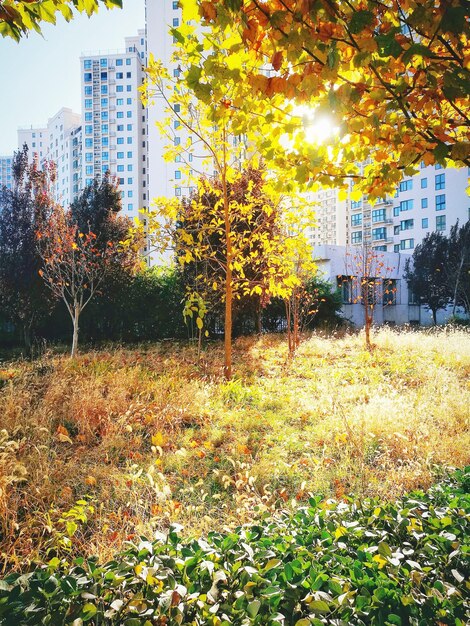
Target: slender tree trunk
x,y
434,316
27,338
368,321
76,315
457,283
228,275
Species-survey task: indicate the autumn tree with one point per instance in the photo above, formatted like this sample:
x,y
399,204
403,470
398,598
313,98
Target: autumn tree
x,y
74,264
219,123
457,266
23,296
392,76
366,281
19,17
426,275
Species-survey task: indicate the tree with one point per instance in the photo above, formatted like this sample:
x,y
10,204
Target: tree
x,y
23,297
221,126
458,265
426,275
74,264
392,75
366,281
18,17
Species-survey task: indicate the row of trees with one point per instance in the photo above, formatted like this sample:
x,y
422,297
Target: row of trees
x,y
438,274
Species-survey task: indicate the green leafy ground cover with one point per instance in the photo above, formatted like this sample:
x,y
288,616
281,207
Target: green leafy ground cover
x,y
339,563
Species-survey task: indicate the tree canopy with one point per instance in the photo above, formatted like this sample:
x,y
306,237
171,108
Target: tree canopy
x,y
391,75
18,17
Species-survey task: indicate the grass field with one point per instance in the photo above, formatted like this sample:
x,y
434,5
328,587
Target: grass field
x,y
146,436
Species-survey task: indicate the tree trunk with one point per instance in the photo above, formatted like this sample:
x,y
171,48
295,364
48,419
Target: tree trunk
x,y
27,338
228,275
75,331
456,288
368,324
434,316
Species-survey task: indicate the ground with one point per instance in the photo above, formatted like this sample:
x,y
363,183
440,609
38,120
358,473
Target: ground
x,y
145,436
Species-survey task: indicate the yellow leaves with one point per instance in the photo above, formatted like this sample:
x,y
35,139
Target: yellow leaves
x,y
378,558
158,439
62,434
199,323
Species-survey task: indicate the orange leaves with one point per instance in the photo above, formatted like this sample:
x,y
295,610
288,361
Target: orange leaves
x,y
208,11
276,60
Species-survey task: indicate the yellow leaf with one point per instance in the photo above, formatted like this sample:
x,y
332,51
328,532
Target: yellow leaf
x,y
199,323
158,439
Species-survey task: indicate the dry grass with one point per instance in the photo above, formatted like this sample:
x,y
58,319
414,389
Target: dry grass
x,y
153,436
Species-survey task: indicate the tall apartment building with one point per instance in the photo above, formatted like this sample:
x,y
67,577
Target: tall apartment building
x,y
432,200
6,174
114,132
56,142
330,218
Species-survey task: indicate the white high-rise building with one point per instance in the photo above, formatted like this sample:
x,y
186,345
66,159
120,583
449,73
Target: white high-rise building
x,y
55,143
6,173
432,200
114,132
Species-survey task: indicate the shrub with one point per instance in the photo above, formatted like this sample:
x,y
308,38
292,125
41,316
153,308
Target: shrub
x,y
337,563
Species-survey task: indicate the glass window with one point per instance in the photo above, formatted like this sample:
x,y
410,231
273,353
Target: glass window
x,y
177,141
88,157
440,222
178,175
176,72
104,62
129,127
177,108
379,233
356,237
425,222
389,288
104,90
104,128
89,170
120,102
88,104
378,215
118,62
396,211
407,244
105,156
130,193
424,183
177,191
406,224
129,114
129,181
175,4
441,202
129,74
396,230
356,204
406,185
129,155
104,115
88,143
130,207
176,22
406,205
120,140
120,168
105,141
129,167
104,102
88,181
88,130
356,220
129,100
121,181
119,88
120,115
424,203
129,88
104,75
88,90
438,166
120,155
128,62
440,181
88,118
129,140
87,64
120,128
119,75
396,247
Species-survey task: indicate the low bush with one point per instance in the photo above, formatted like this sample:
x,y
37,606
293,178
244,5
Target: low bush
x,y
338,563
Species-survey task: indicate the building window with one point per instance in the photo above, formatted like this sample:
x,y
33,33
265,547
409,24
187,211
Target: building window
x,y
380,248
356,204
88,130
87,64
129,181
104,128
104,115
425,222
396,230
440,222
120,140
88,118
130,168
120,128
105,141
104,62
175,5
88,90
130,207
128,61
119,88
379,215
105,156
120,155
424,203
129,140
438,166
441,202
406,205
345,285
129,100
413,299
128,74
120,115
406,224
178,175
88,143
118,62
130,193
369,290
440,181
379,233
104,90
89,170
407,244
396,247
176,22
176,72
178,191
88,104
120,168
128,87
119,75
104,102
129,155
356,237
356,220
120,102
129,114
177,141
406,185
396,211
390,288
129,127
424,183
121,181
88,157
104,75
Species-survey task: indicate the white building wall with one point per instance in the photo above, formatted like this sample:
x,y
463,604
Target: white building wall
x,y
35,139
113,121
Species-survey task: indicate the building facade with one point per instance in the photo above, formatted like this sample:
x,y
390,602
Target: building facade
x,y
114,131
6,173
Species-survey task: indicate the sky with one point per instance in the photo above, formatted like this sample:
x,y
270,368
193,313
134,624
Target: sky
x,y
41,74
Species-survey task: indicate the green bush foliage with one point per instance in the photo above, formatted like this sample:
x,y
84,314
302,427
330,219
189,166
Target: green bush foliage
x,y
338,563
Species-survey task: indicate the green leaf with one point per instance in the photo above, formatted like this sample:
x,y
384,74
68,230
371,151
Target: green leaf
x,y
88,612
360,20
319,606
384,549
253,608
415,49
